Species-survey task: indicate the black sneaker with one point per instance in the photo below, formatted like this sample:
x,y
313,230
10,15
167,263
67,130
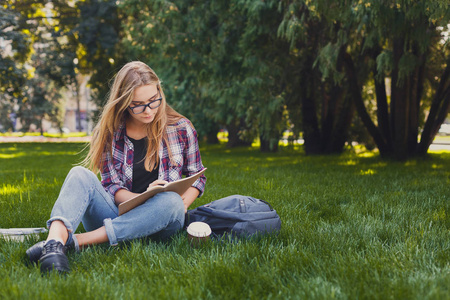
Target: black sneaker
x,y
35,251
54,258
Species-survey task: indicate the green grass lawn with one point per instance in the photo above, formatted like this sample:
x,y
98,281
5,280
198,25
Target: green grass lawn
x,y
353,227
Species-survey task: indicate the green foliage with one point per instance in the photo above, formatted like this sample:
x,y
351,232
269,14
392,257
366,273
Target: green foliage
x,y
327,63
14,33
384,64
98,30
253,67
219,60
57,41
353,226
29,89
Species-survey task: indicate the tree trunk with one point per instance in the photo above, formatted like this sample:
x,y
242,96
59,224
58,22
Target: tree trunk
x,y
438,111
417,82
268,145
341,128
211,137
384,123
399,104
331,101
355,92
212,129
233,136
78,100
311,132
443,113
41,127
337,111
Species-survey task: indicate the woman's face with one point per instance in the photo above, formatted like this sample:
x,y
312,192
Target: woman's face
x,y
145,103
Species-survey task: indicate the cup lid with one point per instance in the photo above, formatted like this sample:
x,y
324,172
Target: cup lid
x,y
199,229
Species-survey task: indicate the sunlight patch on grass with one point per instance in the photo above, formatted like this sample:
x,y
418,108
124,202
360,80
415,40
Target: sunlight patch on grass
x,y
49,153
46,134
349,162
439,215
438,151
368,172
12,155
8,190
367,154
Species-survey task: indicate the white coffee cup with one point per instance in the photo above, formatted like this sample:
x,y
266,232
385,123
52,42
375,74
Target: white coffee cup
x,y
198,232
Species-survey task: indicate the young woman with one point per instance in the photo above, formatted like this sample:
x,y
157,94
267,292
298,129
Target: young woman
x,y
139,142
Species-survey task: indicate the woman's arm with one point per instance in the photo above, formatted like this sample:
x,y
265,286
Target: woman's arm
x,y
189,196
112,178
123,195
193,162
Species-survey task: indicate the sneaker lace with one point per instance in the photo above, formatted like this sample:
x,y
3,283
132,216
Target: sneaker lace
x,y
51,247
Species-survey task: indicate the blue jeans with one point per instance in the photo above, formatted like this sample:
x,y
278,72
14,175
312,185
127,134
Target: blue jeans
x,y
83,199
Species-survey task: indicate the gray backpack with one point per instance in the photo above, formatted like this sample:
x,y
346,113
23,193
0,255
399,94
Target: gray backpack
x,y
237,215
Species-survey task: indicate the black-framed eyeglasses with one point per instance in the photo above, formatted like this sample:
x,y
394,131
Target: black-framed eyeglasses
x,y
139,109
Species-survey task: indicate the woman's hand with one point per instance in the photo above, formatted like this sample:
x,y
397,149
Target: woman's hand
x,y
156,182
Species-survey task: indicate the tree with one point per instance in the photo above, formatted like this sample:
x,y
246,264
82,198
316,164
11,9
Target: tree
x,y
68,40
403,55
86,37
99,52
264,61
317,99
390,41
31,93
15,46
43,103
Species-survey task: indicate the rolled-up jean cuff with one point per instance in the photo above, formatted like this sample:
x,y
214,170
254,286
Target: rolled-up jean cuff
x,y
62,219
110,232
73,238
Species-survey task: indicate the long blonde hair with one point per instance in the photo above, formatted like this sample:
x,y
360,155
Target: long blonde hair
x,y
131,76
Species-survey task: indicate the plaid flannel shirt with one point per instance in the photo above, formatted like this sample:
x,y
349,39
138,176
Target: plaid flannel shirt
x,y
117,171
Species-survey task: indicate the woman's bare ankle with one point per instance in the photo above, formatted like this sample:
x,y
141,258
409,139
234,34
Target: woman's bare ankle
x,y
58,232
